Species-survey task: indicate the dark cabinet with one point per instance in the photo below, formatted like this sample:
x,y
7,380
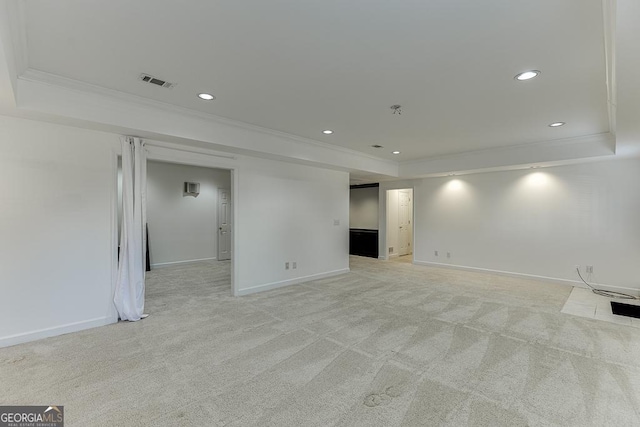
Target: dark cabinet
x,y
363,242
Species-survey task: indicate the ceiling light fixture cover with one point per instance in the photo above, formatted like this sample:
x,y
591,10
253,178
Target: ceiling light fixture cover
x,y
527,75
395,152
327,132
556,124
206,96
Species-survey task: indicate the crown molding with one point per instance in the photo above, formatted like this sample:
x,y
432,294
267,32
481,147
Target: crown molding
x,y
16,18
185,149
560,150
600,138
609,11
37,76
544,153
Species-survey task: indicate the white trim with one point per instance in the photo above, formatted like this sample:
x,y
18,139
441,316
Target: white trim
x,y
289,282
189,261
235,199
382,258
556,280
609,16
605,138
14,18
114,233
111,113
172,153
20,46
546,153
187,149
37,76
383,210
55,331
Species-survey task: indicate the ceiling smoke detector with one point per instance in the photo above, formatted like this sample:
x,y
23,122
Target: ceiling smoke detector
x,y
397,109
147,78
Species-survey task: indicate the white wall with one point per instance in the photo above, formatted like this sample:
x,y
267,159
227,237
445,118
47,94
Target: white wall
x,y
56,193
363,208
58,225
183,228
286,213
539,222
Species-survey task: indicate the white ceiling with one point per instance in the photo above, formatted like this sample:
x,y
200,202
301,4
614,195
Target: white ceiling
x,y
302,66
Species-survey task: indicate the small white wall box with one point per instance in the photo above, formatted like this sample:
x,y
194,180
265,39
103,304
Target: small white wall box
x,y
191,189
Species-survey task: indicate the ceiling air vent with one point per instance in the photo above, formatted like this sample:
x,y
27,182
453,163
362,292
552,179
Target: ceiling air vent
x,y
155,81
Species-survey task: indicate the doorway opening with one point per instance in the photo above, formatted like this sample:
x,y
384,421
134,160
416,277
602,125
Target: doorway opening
x,y
189,225
400,225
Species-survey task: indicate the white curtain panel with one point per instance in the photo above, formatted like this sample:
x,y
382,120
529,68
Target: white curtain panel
x,y
129,295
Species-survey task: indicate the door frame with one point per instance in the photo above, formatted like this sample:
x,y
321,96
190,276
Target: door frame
x,y
408,191
219,224
190,156
383,249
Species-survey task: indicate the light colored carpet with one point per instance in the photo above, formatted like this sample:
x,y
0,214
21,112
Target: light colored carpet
x,y
403,258
388,344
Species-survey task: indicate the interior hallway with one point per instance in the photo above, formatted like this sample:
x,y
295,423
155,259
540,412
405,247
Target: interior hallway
x,y
387,344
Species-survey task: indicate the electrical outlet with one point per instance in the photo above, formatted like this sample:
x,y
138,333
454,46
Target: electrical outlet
x,y
286,265
336,222
295,265
435,253
589,269
448,254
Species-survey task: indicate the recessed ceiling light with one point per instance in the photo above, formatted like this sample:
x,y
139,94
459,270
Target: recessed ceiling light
x,y
556,124
206,96
527,75
395,152
327,132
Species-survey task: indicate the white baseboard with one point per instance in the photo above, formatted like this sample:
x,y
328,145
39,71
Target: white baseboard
x,y
567,282
296,281
189,261
54,331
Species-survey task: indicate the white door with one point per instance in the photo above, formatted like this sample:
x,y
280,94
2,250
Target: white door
x,y
224,224
404,222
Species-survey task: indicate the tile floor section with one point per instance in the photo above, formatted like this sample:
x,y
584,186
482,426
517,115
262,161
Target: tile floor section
x,y
584,303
